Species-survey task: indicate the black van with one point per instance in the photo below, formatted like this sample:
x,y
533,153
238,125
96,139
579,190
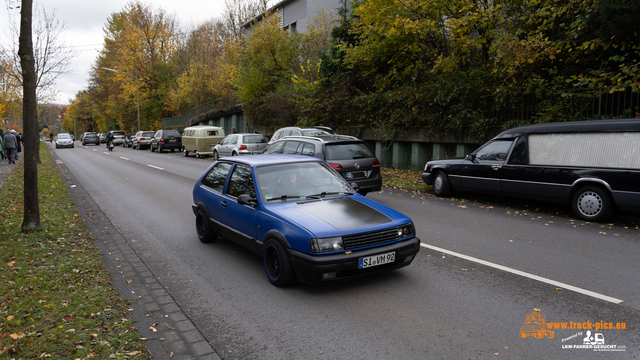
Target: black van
x,y
592,165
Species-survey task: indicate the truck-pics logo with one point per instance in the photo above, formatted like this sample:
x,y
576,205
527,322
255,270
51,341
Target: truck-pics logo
x,y
590,338
535,325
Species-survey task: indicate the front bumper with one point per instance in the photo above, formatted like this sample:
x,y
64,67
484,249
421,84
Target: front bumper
x,y
64,145
426,177
310,268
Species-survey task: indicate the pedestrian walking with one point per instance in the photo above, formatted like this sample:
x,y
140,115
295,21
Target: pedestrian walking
x,y
10,143
2,146
20,141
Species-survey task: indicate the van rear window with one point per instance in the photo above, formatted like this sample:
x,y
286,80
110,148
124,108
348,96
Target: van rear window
x,y
212,133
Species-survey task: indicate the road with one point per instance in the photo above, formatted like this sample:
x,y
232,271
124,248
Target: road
x,y
440,307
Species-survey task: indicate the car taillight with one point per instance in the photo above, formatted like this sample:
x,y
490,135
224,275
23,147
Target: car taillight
x,y
243,147
336,166
161,139
375,163
141,138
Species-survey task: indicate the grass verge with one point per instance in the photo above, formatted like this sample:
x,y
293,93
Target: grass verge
x,y
57,300
403,179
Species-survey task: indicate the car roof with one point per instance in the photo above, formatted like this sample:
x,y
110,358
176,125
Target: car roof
x,y
270,159
323,138
613,125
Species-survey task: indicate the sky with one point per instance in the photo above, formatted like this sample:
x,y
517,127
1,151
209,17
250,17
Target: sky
x,y
84,22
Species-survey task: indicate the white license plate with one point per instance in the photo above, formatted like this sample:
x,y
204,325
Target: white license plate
x,y
376,260
172,141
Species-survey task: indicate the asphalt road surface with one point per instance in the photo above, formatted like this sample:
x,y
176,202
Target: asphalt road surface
x,y
484,266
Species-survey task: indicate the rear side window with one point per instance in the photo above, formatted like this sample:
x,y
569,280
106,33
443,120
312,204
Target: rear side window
x,y
254,139
308,150
212,133
216,177
348,151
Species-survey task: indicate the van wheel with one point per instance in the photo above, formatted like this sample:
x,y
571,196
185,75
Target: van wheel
x,y
186,153
197,155
277,264
592,203
441,185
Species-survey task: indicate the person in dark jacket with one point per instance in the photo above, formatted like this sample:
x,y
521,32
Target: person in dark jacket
x,y
20,140
10,143
2,155
109,138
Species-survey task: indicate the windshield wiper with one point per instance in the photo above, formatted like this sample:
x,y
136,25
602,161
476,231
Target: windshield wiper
x,y
284,197
324,193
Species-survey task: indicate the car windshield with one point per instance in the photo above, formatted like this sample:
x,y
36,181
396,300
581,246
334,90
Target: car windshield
x,y
347,151
64,136
254,139
292,181
314,132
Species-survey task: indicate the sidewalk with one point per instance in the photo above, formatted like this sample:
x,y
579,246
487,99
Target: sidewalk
x,y
6,169
168,332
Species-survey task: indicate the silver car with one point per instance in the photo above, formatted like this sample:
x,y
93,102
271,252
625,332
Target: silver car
x,y
64,140
239,144
142,139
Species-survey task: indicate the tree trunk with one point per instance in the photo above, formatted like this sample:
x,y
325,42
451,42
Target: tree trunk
x,y
31,220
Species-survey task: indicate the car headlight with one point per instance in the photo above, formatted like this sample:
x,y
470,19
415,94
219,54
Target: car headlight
x,y
406,230
327,244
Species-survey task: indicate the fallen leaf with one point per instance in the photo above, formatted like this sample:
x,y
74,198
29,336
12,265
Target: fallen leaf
x,y
559,289
534,309
11,263
10,317
153,329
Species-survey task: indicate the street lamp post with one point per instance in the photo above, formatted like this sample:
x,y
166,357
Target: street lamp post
x,y
74,125
137,98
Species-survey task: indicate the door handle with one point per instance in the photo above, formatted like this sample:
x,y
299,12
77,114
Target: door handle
x,y
223,203
496,166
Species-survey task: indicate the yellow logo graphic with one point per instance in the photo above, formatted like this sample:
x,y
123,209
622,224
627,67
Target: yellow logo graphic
x,y
535,325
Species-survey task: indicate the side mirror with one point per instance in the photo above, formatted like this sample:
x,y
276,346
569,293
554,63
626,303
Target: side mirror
x,y
355,186
245,199
470,157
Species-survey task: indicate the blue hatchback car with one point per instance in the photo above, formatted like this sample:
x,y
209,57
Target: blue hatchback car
x,y
302,217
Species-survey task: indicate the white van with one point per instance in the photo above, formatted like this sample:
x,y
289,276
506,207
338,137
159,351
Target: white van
x,y
199,139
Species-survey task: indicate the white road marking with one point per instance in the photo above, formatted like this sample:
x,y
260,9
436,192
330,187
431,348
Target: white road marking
x,y
94,149
527,275
155,167
123,158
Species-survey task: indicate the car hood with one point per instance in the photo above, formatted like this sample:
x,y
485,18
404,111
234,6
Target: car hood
x,y
343,215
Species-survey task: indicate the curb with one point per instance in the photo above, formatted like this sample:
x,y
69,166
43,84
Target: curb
x,y
150,303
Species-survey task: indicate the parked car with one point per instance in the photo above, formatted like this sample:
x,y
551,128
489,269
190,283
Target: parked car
x,y
90,138
588,164
103,137
351,157
240,144
303,218
118,137
298,131
166,139
128,139
64,140
142,139
199,139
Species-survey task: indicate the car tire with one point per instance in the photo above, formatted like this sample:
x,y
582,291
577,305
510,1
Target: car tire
x,y
592,203
160,149
215,155
152,149
205,231
277,264
234,153
441,185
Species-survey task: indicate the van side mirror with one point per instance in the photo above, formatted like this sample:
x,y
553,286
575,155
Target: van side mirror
x,y
245,199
